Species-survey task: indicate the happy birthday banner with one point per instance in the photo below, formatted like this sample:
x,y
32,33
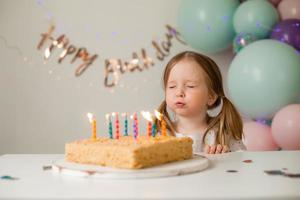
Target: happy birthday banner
x,y
113,67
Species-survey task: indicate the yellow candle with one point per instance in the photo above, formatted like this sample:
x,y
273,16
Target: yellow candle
x,y
163,123
94,134
163,127
94,127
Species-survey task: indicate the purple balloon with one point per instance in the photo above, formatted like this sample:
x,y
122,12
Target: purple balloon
x,y
288,31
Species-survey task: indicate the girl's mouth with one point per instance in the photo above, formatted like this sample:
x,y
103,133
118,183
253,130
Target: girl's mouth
x,y
180,104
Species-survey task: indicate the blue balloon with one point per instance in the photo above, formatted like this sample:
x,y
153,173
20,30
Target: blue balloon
x,y
207,25
264,77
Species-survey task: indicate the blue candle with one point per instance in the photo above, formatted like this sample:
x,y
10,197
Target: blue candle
x,y
153,129
125,124
134,130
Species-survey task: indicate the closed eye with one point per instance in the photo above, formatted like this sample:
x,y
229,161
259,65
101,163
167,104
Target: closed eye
x,y
171,87
191,86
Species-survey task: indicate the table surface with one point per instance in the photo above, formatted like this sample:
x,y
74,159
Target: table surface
x,y
249,182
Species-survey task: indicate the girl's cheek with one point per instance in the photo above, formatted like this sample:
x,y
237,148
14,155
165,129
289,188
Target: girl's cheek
x,y
168,100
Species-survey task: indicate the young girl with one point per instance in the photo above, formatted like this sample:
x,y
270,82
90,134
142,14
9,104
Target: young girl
x,y
193,85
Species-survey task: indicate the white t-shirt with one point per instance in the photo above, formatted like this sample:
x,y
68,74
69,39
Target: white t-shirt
x,y
210,139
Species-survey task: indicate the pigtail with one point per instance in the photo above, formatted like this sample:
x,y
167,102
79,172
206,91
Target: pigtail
x,y
163,110
228,123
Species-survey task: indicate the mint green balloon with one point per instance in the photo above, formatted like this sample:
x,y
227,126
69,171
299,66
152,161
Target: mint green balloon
x,y
256,17
263,77
206,25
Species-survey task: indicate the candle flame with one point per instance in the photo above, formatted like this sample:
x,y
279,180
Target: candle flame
x,y
116,115
147,115
90,116
131,116
158,115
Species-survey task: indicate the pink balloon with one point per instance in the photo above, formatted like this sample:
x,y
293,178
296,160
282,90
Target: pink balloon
x,y
289,9
258,137
275,2
286,127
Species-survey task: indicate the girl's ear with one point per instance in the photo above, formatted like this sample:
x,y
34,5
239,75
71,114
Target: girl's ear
x,y
212,99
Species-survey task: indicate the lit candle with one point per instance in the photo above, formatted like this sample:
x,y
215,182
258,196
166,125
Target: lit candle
x,y
117,125
93,122
148,117
153,129
125,124
135,126
109,122
163,124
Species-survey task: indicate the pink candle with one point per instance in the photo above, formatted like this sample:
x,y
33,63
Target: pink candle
x,y
149,129
117,125
136,127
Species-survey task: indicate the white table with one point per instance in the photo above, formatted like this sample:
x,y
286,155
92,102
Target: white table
x,y
250,182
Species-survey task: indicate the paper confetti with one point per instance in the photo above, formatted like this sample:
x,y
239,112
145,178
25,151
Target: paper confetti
x,y
274,172
47,167
282,173
232,171
7,177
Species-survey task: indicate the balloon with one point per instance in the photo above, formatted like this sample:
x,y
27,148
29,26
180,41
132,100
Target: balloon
x,y
258,137
263,77
288,31
206,25
275,2
241,40
256,17
286,127
289,9
264,121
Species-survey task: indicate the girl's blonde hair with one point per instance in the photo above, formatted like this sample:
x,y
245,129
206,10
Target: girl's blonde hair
x,y
228,122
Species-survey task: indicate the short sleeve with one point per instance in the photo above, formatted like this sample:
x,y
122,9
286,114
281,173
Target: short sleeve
x,y
210,138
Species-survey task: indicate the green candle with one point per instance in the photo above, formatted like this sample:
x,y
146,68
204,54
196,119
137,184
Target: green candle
x,y
153,129
126,125
110,128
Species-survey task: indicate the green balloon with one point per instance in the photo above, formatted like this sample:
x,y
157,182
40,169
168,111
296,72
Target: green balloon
x,y
263,77
207,25
241,40
256,17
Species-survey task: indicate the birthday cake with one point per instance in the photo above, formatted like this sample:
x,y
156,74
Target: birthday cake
x,y
129,153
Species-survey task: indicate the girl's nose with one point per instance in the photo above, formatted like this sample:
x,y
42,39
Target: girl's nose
x,y
180,93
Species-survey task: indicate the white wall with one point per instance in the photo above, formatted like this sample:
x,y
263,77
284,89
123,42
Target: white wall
x,y
40,111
